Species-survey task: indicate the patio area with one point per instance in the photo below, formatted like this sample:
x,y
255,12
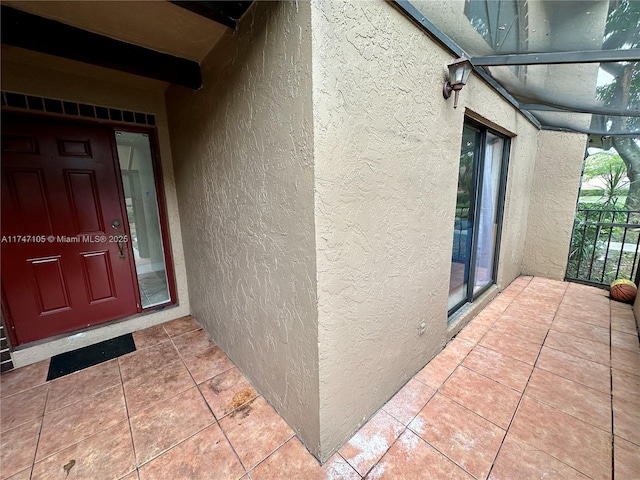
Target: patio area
x,y
543,383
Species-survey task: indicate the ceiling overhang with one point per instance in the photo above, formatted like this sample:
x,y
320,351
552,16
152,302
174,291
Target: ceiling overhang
x,y
160,40
227,13
25,30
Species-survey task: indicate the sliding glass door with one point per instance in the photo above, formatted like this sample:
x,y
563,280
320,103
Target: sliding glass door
x,y
481,179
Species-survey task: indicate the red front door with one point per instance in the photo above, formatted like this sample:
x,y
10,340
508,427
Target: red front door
x,y
66,264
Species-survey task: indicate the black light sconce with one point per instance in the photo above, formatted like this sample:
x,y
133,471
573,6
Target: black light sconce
x,y
459,72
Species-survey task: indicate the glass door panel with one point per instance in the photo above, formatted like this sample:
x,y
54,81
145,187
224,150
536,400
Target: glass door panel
x,y
488,211
463,226
136,167
478,213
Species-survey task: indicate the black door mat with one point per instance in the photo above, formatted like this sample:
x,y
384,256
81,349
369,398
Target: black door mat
x,y
86,357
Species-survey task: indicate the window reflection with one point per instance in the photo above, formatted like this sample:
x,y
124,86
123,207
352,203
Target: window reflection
x,y
136,166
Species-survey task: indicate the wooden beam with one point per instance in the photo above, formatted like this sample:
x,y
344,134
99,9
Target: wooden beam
x,y
25,30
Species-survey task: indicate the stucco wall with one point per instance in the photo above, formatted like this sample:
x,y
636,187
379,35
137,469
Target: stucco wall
x,y
387,149
243,150
553,201
81,83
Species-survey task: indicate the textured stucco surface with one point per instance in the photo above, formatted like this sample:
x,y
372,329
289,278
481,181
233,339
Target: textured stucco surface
x,y
244,166
386,161
127,92
553,203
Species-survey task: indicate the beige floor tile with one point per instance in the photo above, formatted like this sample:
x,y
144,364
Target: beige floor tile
x,y
150,336
104,456
564,437
594,313
192,343
73,423
626,386
255,431
581,329
625,360
474,331
292,461
84,383
23,475
626,420
622,318
457,350
208,363
131,476
181,326
586,372
409,400
488,398
436,372
625,341
501,368
205,456
411,458
226,392
23,378
371,442
511,346
533,309
155,386
626,465
519,461
23,407
469,440
522,328
168,423
142,361
479,374
579,347
584,403
18,447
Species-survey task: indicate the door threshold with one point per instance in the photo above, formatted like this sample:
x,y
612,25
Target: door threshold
x,y
29,353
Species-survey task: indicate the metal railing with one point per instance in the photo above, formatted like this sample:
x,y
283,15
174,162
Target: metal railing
x,y
604,246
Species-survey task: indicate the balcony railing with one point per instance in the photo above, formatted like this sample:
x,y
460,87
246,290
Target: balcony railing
x,y
604,246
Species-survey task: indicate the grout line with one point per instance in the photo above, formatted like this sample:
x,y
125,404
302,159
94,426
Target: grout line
x,y
215,418
126,407
44,409
248,472
351,466
613,446
515,412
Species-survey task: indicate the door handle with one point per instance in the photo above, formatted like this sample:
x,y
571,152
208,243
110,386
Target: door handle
x,y
115,224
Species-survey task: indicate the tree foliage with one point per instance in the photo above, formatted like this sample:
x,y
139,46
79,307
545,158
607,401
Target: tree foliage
x,y
622,30
609,168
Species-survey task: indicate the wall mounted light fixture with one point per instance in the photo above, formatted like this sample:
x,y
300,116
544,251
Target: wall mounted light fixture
x,y
459,72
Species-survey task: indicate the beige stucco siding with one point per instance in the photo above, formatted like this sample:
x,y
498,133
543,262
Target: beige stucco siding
x,y
81,83
387,149
553,202
243,150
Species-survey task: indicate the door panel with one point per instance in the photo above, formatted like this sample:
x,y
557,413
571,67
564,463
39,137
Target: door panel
x,y
50,289
99,276
60,185
29,197
85,205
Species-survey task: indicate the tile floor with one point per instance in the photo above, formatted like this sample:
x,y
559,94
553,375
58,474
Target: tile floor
x,y
543,383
